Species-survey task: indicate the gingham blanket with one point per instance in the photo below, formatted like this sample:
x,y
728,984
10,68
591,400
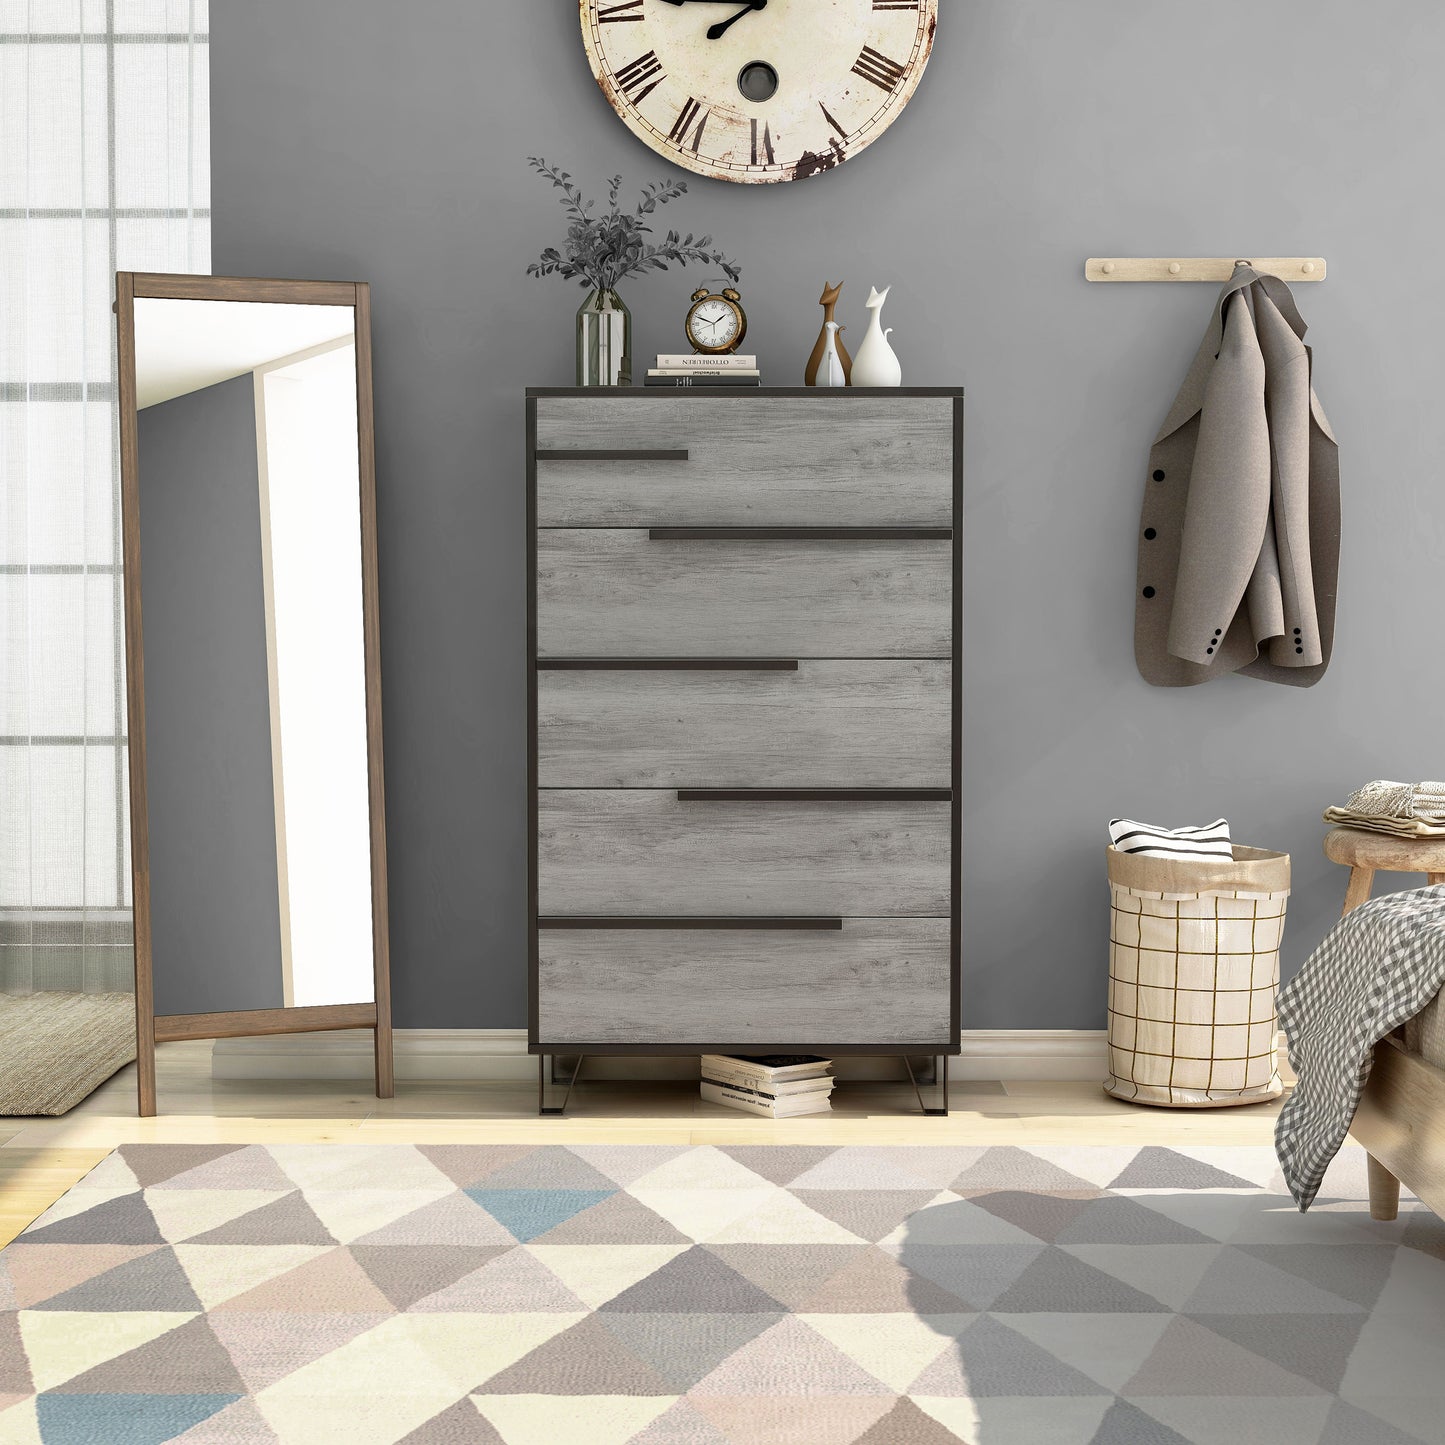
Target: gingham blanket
x,y
1378,966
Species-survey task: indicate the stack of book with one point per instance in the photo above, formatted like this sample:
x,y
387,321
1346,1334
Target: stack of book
x,y
777,1086
695,369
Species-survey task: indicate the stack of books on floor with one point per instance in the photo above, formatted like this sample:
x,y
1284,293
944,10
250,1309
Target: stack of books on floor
x,y
777,1086
695,369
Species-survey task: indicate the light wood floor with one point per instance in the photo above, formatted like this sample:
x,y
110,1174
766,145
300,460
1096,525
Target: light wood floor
x,y
41,1158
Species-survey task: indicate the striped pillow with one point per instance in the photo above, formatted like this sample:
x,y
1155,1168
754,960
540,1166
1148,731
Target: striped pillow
x,y
1210,841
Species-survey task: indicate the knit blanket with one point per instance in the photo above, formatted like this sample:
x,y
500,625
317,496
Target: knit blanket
x,y
1378,966
1408,810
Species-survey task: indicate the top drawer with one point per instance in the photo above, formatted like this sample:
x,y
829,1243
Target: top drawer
x,y
841,460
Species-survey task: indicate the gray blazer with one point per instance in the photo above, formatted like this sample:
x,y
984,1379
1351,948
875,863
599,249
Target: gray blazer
x,y
1239,543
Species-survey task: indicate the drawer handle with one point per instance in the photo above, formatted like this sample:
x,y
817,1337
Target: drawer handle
x,y
654,454
667,664
831,925
800,534
815,795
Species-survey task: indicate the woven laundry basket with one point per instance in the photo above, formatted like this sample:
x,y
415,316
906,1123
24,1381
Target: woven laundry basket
x,y
1193,973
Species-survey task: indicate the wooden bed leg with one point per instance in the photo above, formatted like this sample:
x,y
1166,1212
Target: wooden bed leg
x,y
1384,1191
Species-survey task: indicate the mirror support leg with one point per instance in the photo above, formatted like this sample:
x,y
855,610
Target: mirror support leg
x,y
145,1069
543,1107
385,1061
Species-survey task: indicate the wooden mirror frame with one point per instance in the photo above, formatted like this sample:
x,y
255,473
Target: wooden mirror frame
x,y
151,1028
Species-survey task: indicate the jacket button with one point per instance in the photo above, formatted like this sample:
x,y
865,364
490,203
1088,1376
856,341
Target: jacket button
x,y
1158,475
1209,649
1299,649
1149,534
1218,631
1296,632
1148,591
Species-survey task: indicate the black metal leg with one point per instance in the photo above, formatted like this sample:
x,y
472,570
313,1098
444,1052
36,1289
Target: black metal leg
x,y
941,1081
542,1105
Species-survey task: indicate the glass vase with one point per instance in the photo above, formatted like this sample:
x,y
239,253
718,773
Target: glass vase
x,y
604,341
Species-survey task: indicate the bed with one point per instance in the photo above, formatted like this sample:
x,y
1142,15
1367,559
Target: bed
x,y
1401,1118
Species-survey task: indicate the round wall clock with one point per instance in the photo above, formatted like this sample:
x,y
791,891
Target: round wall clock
x,y
758,90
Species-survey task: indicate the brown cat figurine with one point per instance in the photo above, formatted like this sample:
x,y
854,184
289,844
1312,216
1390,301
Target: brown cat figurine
x,y
828,300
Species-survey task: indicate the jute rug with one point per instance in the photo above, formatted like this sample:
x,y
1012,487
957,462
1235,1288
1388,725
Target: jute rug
x,y
57,1048
718,1296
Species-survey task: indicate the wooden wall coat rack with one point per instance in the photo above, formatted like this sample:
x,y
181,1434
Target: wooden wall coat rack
x,y
1200,268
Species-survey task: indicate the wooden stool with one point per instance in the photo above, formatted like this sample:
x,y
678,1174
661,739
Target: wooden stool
x,y
1364,853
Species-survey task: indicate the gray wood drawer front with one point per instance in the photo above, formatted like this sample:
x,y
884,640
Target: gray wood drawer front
x,y
880,981
864,724
618,593
753,461
643,852
743,690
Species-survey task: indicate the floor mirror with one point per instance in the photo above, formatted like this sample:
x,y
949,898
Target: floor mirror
x,y
258,846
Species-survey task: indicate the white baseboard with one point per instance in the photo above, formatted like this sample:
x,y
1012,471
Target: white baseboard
x,y
500,1055
1056,1055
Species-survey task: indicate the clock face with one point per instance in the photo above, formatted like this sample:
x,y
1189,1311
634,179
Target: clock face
x,y
712,324
758,90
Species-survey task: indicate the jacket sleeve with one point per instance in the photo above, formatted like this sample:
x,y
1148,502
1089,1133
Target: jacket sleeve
x,y
1296,641
1229,494
1263,598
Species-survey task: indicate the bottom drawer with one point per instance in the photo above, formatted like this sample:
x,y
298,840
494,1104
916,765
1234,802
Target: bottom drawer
x,y
882,981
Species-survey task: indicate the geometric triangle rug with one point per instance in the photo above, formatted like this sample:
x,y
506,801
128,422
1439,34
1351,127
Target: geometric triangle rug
x,y
223,1295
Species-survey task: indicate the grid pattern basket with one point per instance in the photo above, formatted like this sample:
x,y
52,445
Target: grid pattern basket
x,y
1193,974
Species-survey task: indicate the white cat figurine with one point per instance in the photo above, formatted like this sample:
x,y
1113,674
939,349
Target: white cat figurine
x,y
875,363
830,368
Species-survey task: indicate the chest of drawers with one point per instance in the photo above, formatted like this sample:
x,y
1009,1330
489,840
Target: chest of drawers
x,y
744,618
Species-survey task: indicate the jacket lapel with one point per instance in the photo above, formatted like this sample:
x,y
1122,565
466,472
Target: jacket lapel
x,y
1284,303
1190,398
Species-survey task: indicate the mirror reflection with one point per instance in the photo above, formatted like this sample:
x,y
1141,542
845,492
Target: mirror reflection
x,y
254,664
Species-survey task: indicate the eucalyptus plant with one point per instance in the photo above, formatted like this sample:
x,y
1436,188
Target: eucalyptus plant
x,y
605,248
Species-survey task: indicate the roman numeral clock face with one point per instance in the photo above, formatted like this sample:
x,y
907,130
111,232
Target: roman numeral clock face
x,y
758,90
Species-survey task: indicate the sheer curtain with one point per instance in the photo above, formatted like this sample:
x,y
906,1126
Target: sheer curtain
x,y
104,166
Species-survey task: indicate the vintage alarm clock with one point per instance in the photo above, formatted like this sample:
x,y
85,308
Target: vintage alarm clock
x,y
716,323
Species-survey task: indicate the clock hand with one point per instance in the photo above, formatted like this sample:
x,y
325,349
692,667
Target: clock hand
x,y
716,32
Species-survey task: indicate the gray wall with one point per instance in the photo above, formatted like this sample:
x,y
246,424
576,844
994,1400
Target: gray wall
x,y
215,919
356,139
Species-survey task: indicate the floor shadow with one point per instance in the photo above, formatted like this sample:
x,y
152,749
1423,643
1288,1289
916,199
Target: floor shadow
x,y
1186,1313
